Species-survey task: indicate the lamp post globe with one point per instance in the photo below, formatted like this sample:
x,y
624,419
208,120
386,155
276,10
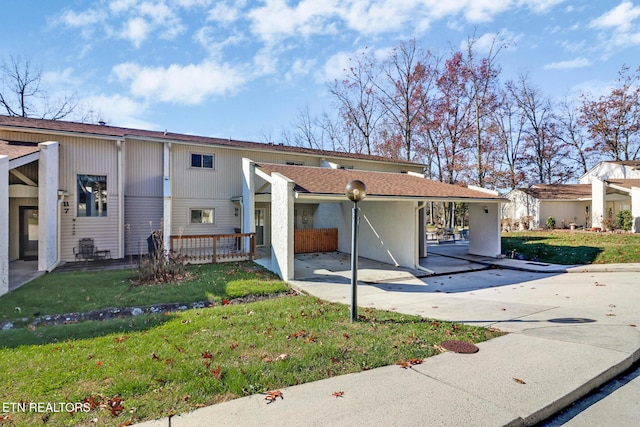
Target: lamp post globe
x,y
356,190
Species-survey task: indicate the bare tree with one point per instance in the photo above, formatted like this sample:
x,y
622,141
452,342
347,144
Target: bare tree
x,y
545,153
482,93
572,133
21,93
306,130
613,121
509,130
410,75
356,98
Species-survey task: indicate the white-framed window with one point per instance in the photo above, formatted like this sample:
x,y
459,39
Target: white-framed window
x,y
202,161
201,215
91,197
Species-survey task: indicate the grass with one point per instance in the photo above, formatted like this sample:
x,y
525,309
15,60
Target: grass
x,y
150,366
200,357
70,292
573,247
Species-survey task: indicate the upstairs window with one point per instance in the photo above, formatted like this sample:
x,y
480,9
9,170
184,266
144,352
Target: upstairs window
x,y
202,161
92,195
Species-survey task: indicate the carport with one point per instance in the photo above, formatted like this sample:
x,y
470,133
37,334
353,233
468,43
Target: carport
x,y
392,218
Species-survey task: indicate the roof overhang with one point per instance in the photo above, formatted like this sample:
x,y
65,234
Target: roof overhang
x,y
23,160
319,197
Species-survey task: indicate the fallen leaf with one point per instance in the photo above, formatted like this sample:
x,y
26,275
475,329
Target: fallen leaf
x,y
93,403
115,405
346,336
632,325
121,339
126,423
610,314
154,356
207,355
338,394
217,373
225,302
519,381
273,395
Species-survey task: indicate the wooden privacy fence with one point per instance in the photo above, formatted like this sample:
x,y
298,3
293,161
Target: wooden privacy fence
x,y
215,248
315,240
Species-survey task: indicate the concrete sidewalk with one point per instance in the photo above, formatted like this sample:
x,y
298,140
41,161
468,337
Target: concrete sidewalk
x,y
569,333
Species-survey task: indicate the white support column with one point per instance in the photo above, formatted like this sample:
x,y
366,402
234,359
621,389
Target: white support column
x,y
48,206
4,224
166,193
484,229
248,196
598,201
282,225
635,209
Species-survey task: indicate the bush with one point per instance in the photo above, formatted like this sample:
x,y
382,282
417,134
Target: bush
x,y
159,266
624,220
551,223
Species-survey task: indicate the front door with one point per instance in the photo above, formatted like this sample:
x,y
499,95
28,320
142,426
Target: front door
x,y
260,227
28,233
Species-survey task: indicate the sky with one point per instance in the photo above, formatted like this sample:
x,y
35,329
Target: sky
x,y
246,69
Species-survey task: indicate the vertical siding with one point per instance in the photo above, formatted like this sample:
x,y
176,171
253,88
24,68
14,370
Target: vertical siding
x,y
142,216
94,157
143,166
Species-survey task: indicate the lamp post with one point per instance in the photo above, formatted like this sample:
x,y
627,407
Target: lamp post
x,y
355,191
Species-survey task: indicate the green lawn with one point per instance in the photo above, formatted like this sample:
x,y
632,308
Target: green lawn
x,y
70,292
174,362
572,247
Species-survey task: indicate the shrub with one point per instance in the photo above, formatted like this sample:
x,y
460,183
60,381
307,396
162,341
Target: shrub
x,y
624,220
160,266
551,223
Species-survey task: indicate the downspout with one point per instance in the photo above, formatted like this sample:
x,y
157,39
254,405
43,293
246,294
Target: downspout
x,y
119,144
416,261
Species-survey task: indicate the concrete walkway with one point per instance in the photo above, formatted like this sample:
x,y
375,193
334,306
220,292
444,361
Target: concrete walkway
x,y
569,333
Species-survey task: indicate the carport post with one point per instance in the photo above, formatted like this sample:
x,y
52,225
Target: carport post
x,y
356,190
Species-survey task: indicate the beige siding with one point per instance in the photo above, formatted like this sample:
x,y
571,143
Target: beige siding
x,y
225,220
142,216
143,167
94,157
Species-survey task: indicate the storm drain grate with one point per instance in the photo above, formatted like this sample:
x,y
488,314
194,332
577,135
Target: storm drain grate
x,y
459,346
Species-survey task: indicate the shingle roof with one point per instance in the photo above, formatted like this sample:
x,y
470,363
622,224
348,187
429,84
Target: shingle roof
x,y
558,191
17,149
118,132
315,180
626,183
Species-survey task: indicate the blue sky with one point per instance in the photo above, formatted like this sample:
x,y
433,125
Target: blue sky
x,y
245,69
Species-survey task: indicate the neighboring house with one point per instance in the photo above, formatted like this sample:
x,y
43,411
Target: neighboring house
x,y
61,182
529,207
606,189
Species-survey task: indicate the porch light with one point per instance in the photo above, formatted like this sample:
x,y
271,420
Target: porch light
x,y
355,191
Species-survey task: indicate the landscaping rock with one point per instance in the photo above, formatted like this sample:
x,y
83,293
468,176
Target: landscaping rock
x,y
6,326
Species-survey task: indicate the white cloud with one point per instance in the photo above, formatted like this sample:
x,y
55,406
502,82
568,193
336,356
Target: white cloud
x,y
335,67
619,18
566,65
136,30
300,67
188,85
276,19
224,13
117,110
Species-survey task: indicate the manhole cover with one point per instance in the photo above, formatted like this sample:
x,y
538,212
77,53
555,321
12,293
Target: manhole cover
x,y
459,346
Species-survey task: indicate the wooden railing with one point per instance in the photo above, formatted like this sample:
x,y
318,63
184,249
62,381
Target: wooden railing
x,y
315,240
215,247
